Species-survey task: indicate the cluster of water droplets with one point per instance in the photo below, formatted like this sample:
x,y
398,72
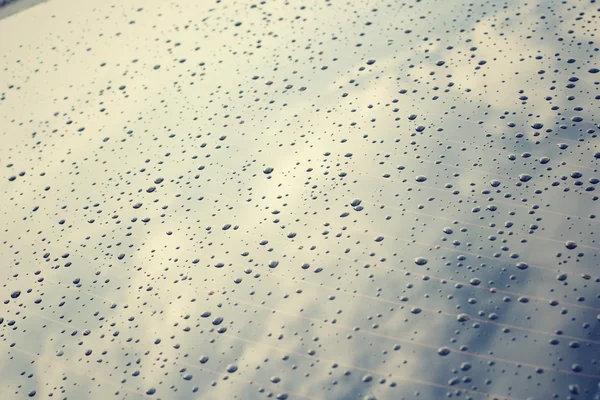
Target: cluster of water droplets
x,y
322,200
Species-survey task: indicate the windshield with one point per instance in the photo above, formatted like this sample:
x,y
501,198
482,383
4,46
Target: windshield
x,y
304,200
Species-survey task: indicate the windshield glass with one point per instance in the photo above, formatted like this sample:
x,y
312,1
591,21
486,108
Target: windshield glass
x,y
304,200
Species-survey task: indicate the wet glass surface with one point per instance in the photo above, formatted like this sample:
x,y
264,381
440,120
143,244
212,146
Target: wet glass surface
x,y
303,200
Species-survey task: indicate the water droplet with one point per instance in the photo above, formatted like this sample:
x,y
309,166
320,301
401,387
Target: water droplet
x,y
231,368
443,351
421,261
462,317
524,177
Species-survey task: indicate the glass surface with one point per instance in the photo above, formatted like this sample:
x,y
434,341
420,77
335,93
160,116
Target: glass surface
x,y
300,200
